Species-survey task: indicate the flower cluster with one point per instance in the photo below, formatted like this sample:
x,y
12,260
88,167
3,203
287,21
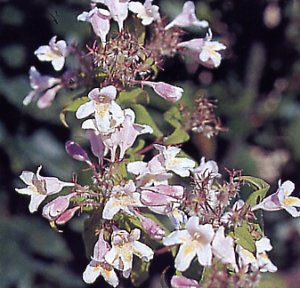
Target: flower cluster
x,y
203,216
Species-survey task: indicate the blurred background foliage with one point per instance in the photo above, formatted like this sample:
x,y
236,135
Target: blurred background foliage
x,y
257,93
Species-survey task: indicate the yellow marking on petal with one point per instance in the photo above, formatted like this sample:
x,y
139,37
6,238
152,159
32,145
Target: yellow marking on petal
x,y
290,201
102,109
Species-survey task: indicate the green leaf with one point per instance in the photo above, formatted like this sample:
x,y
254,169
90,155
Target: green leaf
x,y
177,137
140,272
72,107
244,238
143,117
132,152
258,195
134,96
119,171
194,271
173,117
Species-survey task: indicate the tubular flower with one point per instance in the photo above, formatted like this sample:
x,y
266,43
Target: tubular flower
x,y
125,135
147,12
195,240
204,50
187,18
118,10
165,90
55,53
44,87
124,246
40,187
108,114
98,265
100,21
180,166
281,199
122,198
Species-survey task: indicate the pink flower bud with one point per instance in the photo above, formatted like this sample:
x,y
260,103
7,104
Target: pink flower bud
x,y
165,90
154,230
66,216
183,282
77,152
56,207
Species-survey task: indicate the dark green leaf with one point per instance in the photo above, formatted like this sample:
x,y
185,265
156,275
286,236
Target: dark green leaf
x,y
140,272
173,117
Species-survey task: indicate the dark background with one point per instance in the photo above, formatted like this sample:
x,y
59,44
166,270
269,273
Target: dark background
x,y
257,88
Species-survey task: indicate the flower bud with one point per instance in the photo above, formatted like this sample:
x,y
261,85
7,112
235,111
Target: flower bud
x,y
97,145
154,230
66,216
77,152
183,282
165,90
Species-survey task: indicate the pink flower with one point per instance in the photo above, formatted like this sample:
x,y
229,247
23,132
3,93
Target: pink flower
x,y
187,18
100,21
39,187
55,53
125,135
165,90
44,87
183,282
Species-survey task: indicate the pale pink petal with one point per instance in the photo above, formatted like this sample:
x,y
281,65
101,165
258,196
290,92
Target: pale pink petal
x,y
176,237
35,201
204,255
47,98
91,273
66,216
85,110
185,256
27,177
142,251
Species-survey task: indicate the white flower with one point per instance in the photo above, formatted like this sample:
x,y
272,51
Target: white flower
x,y
100,21
223,249
195,240
98,265
205,50
40,187
207,168
124,246
122,198
147,12
187,18
261,262
55,53
210,50
44,88
108,114
118,10
178,165
149,173
281,199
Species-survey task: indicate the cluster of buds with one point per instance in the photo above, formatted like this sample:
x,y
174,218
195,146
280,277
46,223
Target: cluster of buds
x,y
130,195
